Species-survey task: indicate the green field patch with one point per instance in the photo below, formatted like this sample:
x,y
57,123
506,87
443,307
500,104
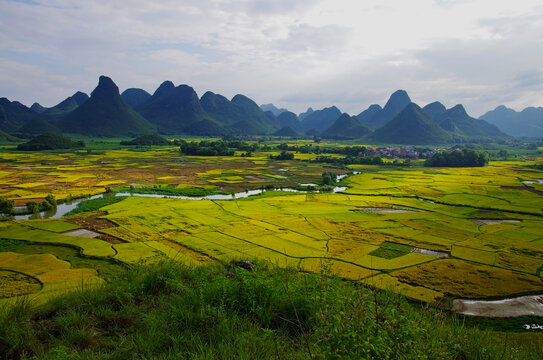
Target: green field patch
x,y
136,253
207,246
88,246
57,226
196,186
389,250
475,255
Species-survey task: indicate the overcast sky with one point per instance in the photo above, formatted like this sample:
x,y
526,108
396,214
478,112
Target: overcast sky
x,y
293,53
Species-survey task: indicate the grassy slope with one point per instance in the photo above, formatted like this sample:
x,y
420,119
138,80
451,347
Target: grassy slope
x,y
226,312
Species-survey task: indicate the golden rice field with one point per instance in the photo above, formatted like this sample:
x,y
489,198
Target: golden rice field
x,y
456,213
32,176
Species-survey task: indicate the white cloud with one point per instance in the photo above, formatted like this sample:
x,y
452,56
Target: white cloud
x,y
298,53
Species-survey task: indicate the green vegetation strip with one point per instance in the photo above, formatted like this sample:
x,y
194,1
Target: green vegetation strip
x,y
95,204
391,250
168,311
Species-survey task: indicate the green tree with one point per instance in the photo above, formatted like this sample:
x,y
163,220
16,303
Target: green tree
x,y
33,207
49,202
329,178
6,206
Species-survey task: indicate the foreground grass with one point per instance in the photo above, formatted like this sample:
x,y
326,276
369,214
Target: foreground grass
x,y
167,311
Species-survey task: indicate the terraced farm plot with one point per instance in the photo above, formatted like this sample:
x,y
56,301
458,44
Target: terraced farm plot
x,y
486,219
40,276
469,280
25,177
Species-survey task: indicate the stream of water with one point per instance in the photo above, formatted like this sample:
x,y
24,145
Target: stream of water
x,y
63,209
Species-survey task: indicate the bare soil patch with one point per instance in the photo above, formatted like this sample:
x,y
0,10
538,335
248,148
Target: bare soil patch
x,y
94,223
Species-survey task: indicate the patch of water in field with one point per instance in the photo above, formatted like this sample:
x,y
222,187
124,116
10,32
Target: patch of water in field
x,y
493,221
537,181
511,307
387,210
61,210
440,254
82,233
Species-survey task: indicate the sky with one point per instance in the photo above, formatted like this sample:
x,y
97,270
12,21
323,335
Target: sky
x,y
292,53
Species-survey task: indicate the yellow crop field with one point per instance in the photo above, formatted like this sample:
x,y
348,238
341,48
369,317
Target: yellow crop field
x,y
466,279
52,276
411,259
387,282
477,255
455,211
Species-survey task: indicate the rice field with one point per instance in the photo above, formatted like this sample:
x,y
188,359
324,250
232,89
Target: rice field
x,y
83,173
486,221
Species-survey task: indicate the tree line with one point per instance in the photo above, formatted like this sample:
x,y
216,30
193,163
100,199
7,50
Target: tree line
x,y
458,158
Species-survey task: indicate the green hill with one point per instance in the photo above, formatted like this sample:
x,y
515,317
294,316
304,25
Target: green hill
x,y
286,131
290,119
175,110
15,115
321,120
434,110
147,140
240,115
3,135
50,141
135,97
221,109
395,104
305,114
411,126
35,127
105,114
457,121
346,127
37,108
60,110
528,122
252,117
366,115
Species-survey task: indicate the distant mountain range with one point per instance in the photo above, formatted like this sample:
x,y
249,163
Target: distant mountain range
x,y
178,110
528,122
